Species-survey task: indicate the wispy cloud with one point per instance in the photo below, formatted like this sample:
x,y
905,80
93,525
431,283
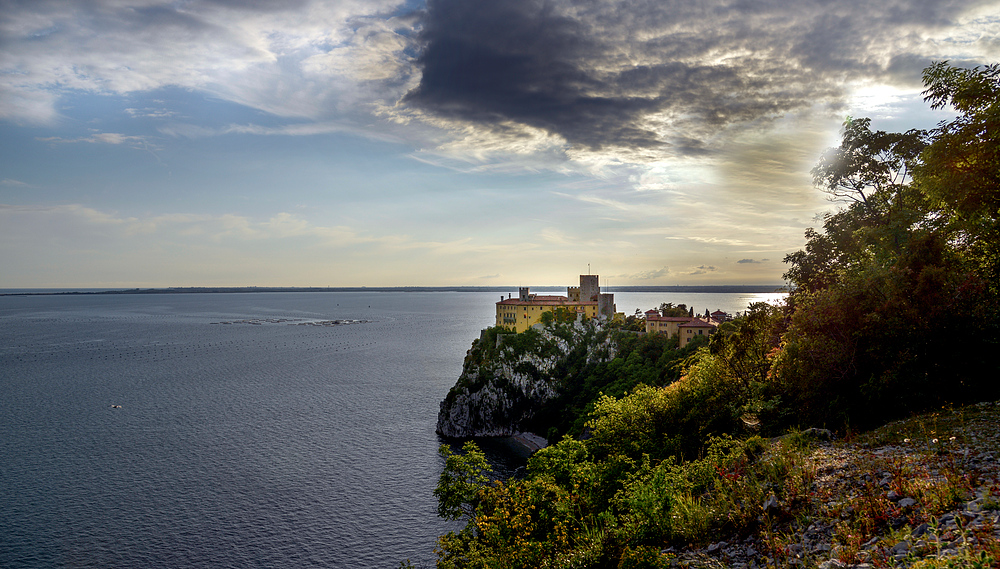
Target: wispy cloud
x,y
703,269
649,275
155,113
263,54
113,138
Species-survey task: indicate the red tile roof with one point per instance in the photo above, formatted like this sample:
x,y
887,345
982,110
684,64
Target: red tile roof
x,y
670,318
699,323
545,301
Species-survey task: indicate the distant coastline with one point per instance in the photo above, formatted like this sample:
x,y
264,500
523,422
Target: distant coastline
x,y
251,289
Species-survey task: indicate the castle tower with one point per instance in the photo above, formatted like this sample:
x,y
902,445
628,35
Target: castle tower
x,y
589,288
606,305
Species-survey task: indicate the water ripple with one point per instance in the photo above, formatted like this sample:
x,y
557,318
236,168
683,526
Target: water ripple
x,y
268,445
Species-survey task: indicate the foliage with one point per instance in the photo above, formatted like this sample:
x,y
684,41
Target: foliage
x,y
902,283
960,173
666,422
563,514
581,379
868,166
668,309
871,172
461,481
633,322
894,311
559,314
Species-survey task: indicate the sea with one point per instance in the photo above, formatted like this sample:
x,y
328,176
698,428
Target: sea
x,y
217,430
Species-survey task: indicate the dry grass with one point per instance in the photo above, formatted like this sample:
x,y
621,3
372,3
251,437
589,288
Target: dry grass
x,y
924,492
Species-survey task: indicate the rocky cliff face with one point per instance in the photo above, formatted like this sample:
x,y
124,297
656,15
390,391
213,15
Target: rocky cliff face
x,y
507,377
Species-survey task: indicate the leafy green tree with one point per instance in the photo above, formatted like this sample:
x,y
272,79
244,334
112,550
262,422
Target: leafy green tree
x,y
558,315
671,421
870,171
650,359
464,477
901,284
668,309
868,166
960,173
632,323
746,342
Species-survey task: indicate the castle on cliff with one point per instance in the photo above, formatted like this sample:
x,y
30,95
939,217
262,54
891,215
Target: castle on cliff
x,y
587,301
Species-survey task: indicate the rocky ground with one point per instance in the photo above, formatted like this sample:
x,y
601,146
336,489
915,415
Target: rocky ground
x,y
922,493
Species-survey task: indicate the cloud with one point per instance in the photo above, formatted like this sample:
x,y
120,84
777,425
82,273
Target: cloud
x,y
73,245
656,133
24,102
113,138
147,112
733,242
262,54
671,76
599,83
748,261
647,275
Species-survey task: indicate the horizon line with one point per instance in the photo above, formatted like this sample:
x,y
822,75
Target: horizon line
x,y
24,291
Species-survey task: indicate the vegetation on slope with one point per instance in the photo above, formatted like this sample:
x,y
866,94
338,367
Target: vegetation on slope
x,y
894,311
576,363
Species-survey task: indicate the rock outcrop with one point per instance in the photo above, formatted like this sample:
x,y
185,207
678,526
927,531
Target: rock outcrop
x,y
507,377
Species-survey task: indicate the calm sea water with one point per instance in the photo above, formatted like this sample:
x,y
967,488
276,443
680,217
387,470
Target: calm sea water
x,y
252,431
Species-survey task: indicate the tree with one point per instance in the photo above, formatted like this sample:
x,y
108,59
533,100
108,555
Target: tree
x,y
871,173
960,173
868,165
744,344
460,484
668,309
901,284
559,315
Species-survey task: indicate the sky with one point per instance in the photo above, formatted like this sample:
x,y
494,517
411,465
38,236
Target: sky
x,y
148,143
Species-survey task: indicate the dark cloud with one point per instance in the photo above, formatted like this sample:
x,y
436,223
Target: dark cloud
x,y
599,72
261,5
746,261
159,17
519,61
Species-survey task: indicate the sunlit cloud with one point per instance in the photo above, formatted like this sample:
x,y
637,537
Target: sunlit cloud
x,y
516,137
259,55
702,269
647,275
